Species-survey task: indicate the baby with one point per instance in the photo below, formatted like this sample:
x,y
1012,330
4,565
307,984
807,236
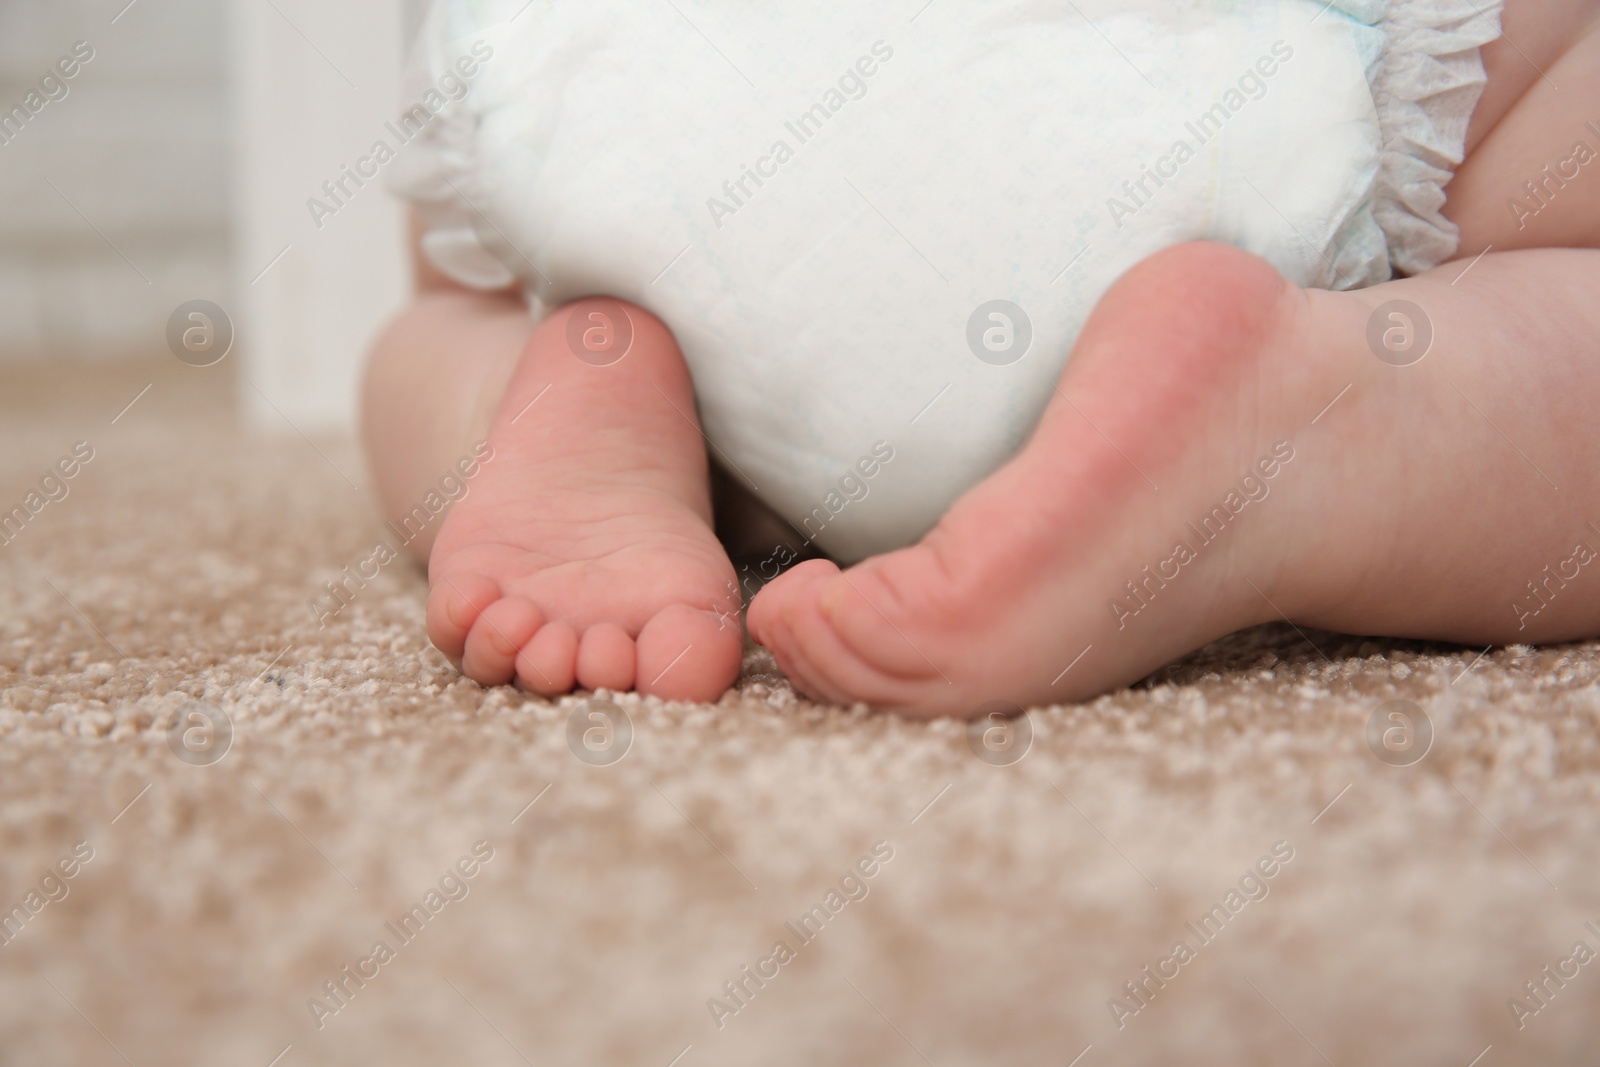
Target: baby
x,y
1070,327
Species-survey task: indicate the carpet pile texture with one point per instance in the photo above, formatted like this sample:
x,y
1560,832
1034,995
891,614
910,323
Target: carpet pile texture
x,y
540,908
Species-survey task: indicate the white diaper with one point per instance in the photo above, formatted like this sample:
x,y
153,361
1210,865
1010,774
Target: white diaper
x,y
876,229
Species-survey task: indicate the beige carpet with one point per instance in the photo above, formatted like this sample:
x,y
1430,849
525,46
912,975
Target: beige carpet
x,y
1018,900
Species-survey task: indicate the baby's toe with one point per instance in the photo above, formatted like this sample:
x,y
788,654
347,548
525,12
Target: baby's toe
x,y
606,658
785,619
868,612
844,636
797,584
686,654
500,631
807,679
548,664
827,666
454,605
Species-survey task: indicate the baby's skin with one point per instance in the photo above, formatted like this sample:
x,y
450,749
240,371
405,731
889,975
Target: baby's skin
x,y
1223,449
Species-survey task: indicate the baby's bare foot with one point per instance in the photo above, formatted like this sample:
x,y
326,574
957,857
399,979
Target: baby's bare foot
x,y
1226,450
584,553
1059,576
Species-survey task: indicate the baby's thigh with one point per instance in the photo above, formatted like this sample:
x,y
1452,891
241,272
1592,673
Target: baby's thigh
x,y
1531,178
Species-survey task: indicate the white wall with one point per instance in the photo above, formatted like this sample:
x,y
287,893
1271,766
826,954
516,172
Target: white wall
x,y
139,145
190,144
314,84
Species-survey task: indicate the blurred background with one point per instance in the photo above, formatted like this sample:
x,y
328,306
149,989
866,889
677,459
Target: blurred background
x,y
176,164
232,882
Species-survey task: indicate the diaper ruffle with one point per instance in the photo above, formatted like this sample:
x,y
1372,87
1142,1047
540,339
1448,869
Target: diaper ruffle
x,y
438,172
1424,67
1428,81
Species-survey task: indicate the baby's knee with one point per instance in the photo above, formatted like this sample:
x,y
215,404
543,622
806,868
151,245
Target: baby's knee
x,y
1208,272
599,329
1205,287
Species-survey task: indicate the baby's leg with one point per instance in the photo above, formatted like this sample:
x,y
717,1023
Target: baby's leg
x,y
1544,81
1226,450
1453,498
583,551
433,383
